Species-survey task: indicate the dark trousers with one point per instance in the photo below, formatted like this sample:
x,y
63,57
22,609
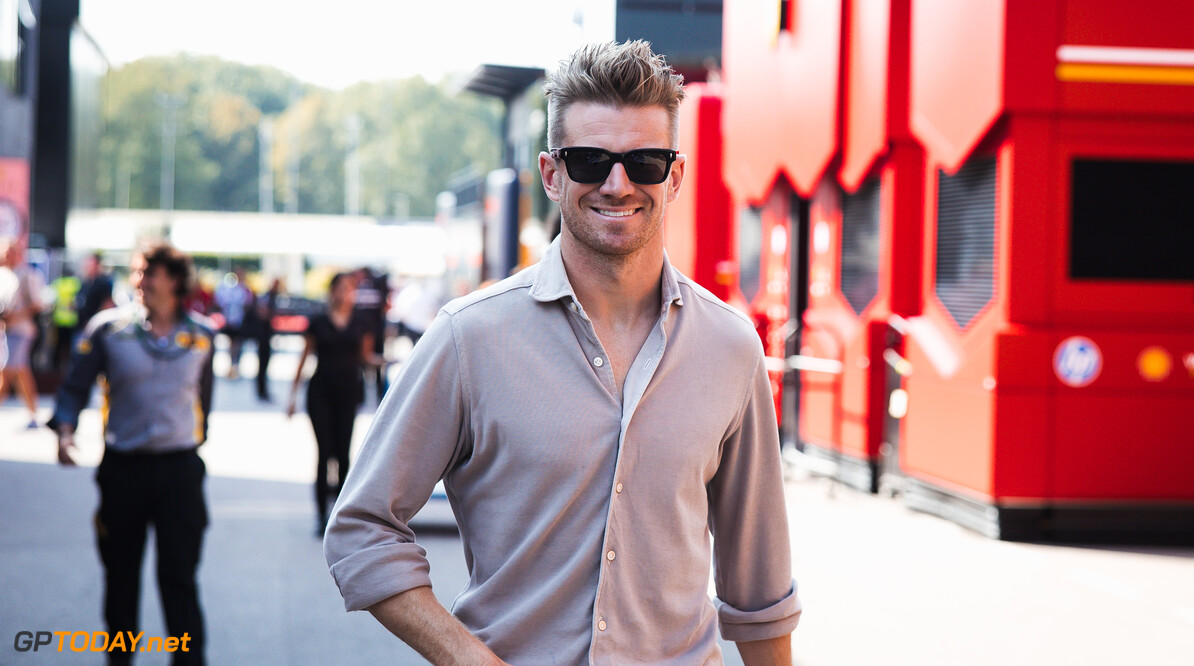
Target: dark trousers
x,y
167,491
332,416
264,352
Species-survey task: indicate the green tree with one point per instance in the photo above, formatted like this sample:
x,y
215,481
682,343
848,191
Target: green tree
x,y
412,136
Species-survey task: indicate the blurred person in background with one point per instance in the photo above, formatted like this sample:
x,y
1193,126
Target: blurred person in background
x,y
373,298
415,308
265,309
20,311
95,291
343,345
66,315
235,302
155,358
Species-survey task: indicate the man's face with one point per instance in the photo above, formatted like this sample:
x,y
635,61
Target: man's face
x,y
617,217
154,286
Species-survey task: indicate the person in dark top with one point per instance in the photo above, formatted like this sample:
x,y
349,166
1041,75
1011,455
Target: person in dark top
x,y
95,293
343,345
372,301
263,332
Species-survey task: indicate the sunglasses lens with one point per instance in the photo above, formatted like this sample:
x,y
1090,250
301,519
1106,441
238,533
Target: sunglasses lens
x,y
647,167
588,166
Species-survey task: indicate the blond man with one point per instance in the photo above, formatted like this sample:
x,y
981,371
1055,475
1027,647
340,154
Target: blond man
x,y
603,426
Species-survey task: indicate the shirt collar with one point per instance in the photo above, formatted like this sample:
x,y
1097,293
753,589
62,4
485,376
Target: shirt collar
x,y
551,281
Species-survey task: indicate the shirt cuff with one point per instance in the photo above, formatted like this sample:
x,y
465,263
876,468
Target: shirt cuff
x,y
778,619
376,574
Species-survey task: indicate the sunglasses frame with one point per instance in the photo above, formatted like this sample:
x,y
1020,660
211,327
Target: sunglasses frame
x,y
616,158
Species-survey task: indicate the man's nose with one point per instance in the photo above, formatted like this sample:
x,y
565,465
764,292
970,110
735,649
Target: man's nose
x,y
617,183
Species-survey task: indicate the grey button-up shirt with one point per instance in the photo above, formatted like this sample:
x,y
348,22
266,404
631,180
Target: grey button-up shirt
x,y
156,392
585,515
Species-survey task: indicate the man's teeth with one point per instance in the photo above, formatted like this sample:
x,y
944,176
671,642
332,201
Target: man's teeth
x,y
615,213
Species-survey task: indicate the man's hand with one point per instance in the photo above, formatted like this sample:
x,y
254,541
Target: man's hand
x,y
66,442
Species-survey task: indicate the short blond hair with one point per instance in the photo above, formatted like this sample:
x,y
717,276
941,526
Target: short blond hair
x,y
618,75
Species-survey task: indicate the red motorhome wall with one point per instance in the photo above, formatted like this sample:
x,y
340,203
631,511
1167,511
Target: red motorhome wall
x,y
1064,408
842,414
699,232
781,128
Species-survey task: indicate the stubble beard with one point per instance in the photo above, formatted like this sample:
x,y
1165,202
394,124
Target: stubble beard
x,y
604,242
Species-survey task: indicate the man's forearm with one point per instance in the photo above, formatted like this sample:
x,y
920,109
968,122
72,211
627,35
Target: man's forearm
x,y
767,652
419,619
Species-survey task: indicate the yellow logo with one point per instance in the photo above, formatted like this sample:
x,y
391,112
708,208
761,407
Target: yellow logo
x,y
1154,364
83,346
182,339
202,343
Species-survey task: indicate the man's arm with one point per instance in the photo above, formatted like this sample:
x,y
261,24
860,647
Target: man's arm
x,y
88,359
206,383
419,619
767,652
756,596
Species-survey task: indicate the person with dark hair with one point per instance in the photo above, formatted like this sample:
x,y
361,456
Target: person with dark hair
x,y
343,346
603,427
95,292
156,362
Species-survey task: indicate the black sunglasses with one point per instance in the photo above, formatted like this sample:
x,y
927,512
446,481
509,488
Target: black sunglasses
x,y
646,166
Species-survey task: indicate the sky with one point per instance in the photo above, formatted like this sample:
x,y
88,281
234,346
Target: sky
x,y
335,43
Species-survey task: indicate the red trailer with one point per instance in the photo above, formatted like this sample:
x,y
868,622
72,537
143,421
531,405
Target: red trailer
x,y
993,199
1052,394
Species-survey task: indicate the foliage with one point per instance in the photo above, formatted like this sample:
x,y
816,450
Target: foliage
x,y
412,135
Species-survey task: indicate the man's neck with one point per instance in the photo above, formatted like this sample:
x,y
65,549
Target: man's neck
x,y
615,289
162,319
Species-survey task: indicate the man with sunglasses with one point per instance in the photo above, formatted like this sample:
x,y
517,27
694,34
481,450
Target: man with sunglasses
x,y
596,419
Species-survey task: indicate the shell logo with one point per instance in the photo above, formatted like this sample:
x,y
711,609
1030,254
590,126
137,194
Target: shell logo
x,y
1154,364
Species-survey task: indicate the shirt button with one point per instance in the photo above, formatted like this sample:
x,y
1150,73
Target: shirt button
x,y
610,556
618,488
601,625
598,361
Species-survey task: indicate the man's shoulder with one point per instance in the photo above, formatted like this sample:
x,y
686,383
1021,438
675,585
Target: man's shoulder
x,y
112,319
493,299
719,315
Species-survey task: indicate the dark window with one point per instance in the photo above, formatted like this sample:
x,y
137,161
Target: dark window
x,y
860,245
1132,220
750,250
966,238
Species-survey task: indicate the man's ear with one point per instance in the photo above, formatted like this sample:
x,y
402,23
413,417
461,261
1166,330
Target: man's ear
x,y
549,171
676,177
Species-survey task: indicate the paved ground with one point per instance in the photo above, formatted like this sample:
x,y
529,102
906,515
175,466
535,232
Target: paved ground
x,y
880,584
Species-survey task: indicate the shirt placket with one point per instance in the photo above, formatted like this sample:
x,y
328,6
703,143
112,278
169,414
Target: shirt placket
x,y
594,352
638,377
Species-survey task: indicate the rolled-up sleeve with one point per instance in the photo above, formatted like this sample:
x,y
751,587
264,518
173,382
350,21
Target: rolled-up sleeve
x,y
418,435
756,594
